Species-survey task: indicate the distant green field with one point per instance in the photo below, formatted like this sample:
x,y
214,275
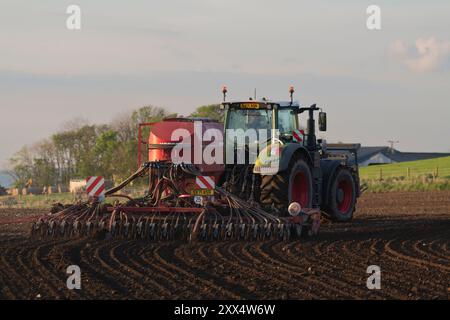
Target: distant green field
x,y
423,175
439,168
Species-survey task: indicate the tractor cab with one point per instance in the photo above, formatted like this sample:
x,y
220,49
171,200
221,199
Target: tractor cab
x,y
257,131
273,118
264,117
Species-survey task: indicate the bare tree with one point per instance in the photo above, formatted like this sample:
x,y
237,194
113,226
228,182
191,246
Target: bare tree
x,y
74,124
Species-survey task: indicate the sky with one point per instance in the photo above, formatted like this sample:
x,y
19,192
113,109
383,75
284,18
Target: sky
x,y
376,85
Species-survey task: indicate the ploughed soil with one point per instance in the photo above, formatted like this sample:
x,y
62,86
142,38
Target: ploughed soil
x,y
405,234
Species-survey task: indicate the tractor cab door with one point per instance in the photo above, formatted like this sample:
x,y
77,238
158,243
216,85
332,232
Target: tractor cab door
x,y
246,129
287,123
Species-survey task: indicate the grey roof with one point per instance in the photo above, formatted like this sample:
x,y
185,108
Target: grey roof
x,y
365,153
413,156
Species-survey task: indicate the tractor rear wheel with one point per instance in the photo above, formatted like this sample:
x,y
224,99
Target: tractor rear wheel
x,y
293,184
342,196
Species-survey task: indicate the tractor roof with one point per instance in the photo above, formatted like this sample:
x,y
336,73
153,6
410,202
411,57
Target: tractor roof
x,y
260,104
287,104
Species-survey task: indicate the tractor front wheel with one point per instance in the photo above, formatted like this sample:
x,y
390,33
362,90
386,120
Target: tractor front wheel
x,y
291,185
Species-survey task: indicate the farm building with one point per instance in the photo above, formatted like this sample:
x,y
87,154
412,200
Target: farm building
x,y
381,155
77,185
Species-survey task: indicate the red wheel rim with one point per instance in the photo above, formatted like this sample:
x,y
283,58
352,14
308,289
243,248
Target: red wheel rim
x,y
300,190
346,201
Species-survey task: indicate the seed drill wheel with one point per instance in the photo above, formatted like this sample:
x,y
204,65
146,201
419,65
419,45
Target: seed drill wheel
x,y
342,196
291,185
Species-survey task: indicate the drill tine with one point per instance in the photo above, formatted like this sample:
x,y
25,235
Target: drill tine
x,y
176,231
153,231
216,231
50,229
62,228
203,231
241,231
113,230
255,231
185,233
128,230
120,230
171,229
146,229
269,231
132,234
189,229
88,228
43,230
71,230
211,230
288,232
138,230
229,231
165,231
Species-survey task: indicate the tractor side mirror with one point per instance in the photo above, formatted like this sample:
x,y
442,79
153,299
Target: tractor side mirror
x,y
322,121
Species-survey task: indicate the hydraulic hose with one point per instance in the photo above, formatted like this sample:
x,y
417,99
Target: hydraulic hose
x,y
135,175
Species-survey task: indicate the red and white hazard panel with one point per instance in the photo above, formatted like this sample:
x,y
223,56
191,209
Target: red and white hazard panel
x,y
95,186
204,186
298,135
205,182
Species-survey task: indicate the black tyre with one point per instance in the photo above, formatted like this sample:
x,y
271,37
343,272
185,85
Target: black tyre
x,y
294,184
342,196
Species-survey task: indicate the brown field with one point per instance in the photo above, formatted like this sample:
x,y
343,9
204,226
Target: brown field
x,y
406,234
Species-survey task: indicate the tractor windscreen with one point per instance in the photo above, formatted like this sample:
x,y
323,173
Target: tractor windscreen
x,y
250,119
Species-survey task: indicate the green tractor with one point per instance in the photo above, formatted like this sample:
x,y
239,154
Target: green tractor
x,y
308,171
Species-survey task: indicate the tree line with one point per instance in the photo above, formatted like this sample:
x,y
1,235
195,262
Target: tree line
x,y
82,149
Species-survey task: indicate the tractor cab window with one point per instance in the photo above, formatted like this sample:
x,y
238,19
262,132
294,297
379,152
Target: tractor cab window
x,y
256,125
286,121
250,119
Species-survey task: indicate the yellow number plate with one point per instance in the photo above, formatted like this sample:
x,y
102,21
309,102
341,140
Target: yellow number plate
x,y
202,192
250,105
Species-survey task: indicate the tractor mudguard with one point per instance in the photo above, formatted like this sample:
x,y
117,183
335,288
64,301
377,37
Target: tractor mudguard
x,y
328,168
288,151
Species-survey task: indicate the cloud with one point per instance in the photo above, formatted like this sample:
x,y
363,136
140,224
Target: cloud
x,y
427,54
